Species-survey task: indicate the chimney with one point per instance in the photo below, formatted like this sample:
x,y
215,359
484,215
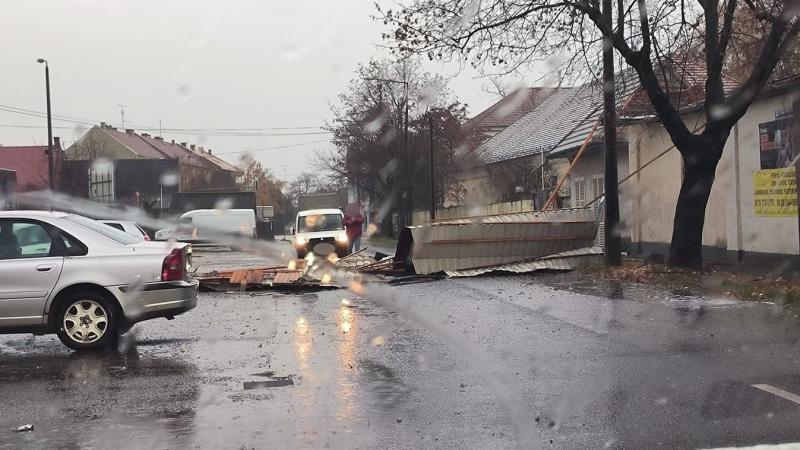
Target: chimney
x,y
209,151
103,124
201,148
56,142
192,147
129,131
147,135
183,144
159,138
173,142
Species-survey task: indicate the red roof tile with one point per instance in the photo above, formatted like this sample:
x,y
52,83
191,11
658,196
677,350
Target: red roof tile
x,y
136,144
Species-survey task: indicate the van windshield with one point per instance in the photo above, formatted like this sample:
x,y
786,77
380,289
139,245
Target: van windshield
x,y
319,222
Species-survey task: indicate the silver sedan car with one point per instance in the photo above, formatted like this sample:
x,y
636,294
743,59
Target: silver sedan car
x,y
85,281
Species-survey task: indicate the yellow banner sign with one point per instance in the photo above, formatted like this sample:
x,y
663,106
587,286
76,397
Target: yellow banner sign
x,y
775,192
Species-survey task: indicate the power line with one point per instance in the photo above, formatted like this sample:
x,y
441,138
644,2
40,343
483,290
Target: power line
x,y
219,134
16,108
44,116
272,148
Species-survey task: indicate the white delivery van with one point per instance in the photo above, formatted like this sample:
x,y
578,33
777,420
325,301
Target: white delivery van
x,y
320,231
209,225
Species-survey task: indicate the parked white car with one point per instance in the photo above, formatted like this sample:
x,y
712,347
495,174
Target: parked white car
x,y
128,227
85,281
211,225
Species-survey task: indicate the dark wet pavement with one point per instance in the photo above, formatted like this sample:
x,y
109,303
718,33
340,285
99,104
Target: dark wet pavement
x,y
490,362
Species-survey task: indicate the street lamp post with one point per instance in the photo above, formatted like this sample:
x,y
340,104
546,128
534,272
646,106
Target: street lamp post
x,y
50,168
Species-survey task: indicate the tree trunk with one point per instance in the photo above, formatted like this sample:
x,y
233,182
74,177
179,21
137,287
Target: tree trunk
x,y
687,233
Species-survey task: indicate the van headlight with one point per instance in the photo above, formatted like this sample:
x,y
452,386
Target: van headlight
x,y
300,240
341,237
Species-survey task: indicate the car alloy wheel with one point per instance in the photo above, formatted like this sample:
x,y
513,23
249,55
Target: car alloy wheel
x,y
85,321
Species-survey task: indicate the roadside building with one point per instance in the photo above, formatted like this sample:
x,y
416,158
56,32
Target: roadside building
x,y
102,165
507,110
479,175
511,162
31,165
751,217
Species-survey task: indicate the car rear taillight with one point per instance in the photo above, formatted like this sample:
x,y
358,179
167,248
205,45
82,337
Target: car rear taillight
x,y
173,268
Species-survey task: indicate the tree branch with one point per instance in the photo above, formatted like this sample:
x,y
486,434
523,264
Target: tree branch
x,y
785,28
714,94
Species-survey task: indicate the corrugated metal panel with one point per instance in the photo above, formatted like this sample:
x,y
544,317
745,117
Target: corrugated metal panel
x,y
562,261
459,244
420,217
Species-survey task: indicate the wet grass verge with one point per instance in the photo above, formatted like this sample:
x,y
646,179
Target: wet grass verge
x,y
714,280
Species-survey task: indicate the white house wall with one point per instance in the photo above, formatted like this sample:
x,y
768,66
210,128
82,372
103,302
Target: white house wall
x,y
654,190
758,234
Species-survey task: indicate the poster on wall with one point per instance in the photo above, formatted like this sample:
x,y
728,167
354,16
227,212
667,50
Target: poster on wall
x,y
778,142
775,192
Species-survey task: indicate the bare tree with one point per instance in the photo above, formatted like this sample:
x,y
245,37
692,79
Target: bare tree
x,y
648,36
375,154
269,189
89,147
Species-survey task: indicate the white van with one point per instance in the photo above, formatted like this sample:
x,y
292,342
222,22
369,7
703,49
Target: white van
x,y
208,225
320,231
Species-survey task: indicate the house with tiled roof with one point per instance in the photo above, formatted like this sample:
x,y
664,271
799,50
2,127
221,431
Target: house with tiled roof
x,y
524,160
198,168
165,167
484,127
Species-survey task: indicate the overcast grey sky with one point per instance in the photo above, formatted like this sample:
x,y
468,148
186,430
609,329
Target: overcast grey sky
x,y
192,64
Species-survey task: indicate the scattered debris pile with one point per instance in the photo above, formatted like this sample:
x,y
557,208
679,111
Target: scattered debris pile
x,y
257,278
299,274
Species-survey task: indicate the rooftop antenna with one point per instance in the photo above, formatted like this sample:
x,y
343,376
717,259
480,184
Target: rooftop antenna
x,y
122,114
160,133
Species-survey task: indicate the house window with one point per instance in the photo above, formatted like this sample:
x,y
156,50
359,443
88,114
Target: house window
x,y
580,192
598,188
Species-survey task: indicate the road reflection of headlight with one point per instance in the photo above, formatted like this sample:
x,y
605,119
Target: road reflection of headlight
x,y
346,319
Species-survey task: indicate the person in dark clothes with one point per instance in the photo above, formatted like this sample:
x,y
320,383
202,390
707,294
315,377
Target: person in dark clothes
x,y
353,224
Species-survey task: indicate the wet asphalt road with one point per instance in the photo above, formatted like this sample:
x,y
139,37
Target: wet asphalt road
x,y
494,362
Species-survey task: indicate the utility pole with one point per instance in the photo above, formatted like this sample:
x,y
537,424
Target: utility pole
x,y
613,244
50,164
122,115
433,188
406,156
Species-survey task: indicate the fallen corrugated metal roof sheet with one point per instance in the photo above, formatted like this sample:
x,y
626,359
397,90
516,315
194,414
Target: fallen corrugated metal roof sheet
x,y
459,244
561,261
